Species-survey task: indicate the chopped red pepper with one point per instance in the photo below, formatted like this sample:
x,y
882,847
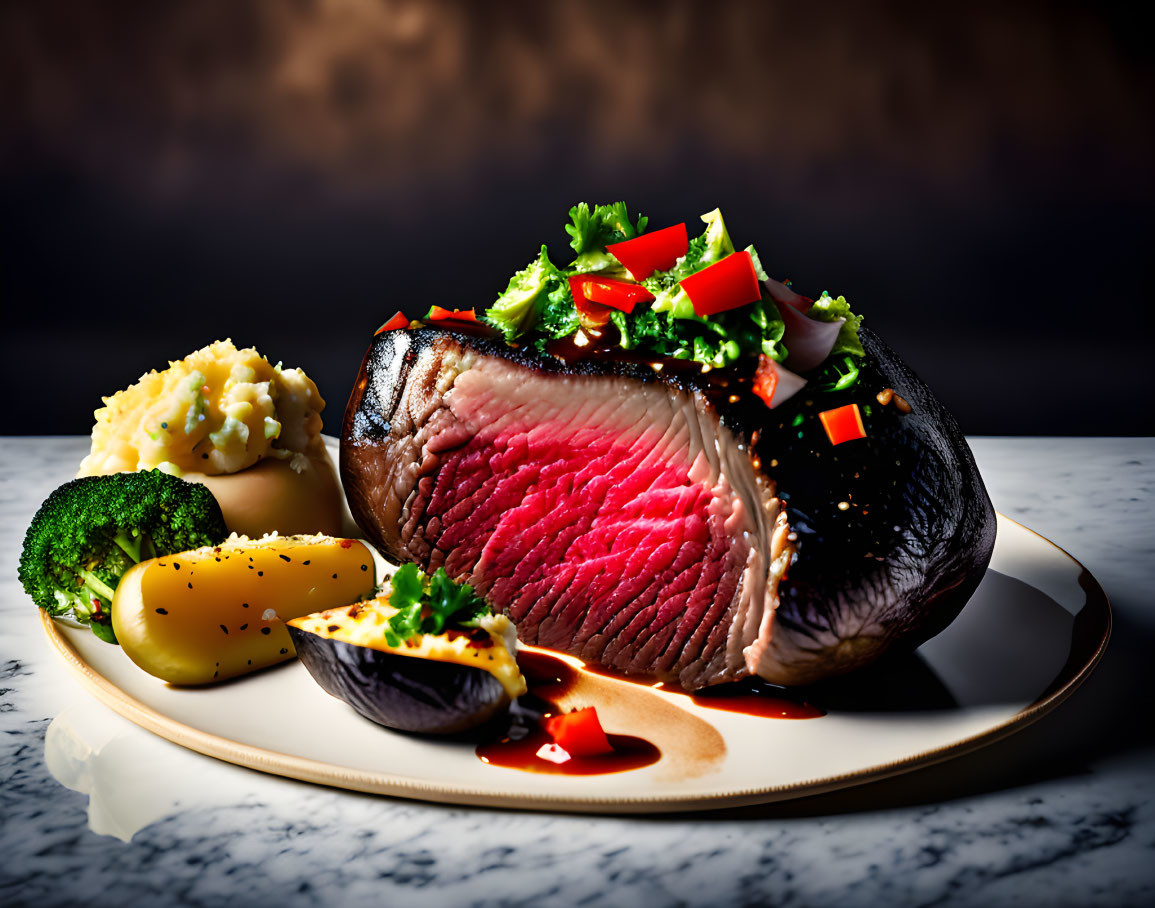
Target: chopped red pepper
x,y
843,424
398,321
592,315
579,733
437,314
650,252
727,284
621,295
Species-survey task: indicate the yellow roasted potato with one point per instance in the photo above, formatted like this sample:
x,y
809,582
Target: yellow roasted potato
x,y
217,612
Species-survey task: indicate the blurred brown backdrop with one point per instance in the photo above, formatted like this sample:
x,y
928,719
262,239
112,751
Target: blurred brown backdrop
x,y
978,181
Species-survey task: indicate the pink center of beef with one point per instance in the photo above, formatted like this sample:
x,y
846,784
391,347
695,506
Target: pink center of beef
x,y
608,532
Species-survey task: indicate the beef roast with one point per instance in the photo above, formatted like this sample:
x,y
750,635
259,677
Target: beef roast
x,y
638,519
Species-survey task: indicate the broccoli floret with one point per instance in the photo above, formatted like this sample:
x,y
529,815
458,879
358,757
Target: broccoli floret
x,y
536,293
593,230
91,530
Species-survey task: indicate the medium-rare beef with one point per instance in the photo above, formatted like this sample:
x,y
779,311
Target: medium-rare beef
x,y
640,519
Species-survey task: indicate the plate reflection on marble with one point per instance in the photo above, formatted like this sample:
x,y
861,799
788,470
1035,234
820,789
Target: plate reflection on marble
x,y
1034,629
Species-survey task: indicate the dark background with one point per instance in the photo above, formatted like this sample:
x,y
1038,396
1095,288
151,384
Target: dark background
x,y
978,182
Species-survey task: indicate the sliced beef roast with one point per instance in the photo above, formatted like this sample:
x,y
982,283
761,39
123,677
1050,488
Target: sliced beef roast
x,y
645,522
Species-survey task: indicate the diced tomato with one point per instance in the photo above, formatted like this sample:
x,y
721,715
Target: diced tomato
x,y
765,379
579,733
650,252
727,284
843,424
617,294
437,314
774,383
398,321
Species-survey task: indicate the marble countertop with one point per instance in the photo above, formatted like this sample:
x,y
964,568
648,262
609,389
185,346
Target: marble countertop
x,y
1061,813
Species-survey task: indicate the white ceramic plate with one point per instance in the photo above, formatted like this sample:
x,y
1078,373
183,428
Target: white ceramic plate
x,y
1031,634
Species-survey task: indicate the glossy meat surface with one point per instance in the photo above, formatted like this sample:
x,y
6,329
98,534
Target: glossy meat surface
x,y
613,519
630,518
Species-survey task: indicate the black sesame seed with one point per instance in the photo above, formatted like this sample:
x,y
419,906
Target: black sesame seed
x,y
244,605
225,629
260,573
306,561
162,611
175,566
266,630
244,627
204,457
364,567
334,576
334,627
283,651
190,584
284,557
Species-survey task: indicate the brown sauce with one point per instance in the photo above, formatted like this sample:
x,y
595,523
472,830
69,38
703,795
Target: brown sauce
x,y
549,678
759,703
521,753
517,747
752,697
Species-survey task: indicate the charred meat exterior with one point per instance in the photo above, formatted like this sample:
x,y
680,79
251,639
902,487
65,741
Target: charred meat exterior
x,y
638,519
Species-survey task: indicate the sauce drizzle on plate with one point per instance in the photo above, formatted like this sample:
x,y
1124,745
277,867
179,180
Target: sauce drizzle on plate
x,y
524,734
522,737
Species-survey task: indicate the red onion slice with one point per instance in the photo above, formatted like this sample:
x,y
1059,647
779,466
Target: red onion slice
x,y
808,341
783,294
776,380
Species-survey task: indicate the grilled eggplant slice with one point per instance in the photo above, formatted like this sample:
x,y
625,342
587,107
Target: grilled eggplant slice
x,y
433,684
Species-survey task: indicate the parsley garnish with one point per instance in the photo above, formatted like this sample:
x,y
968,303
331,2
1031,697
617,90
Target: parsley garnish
x,y
426,605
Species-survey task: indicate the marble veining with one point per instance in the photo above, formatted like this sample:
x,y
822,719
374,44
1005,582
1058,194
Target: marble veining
x,y
1062,813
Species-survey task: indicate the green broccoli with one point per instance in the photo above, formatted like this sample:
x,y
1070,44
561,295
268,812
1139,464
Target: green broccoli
x,y
537,293
91,530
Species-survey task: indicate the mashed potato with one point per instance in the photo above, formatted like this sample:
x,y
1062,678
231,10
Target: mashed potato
x,y
227,418
218,410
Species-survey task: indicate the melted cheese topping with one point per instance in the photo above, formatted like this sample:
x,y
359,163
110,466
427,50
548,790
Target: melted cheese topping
x,y
365,623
